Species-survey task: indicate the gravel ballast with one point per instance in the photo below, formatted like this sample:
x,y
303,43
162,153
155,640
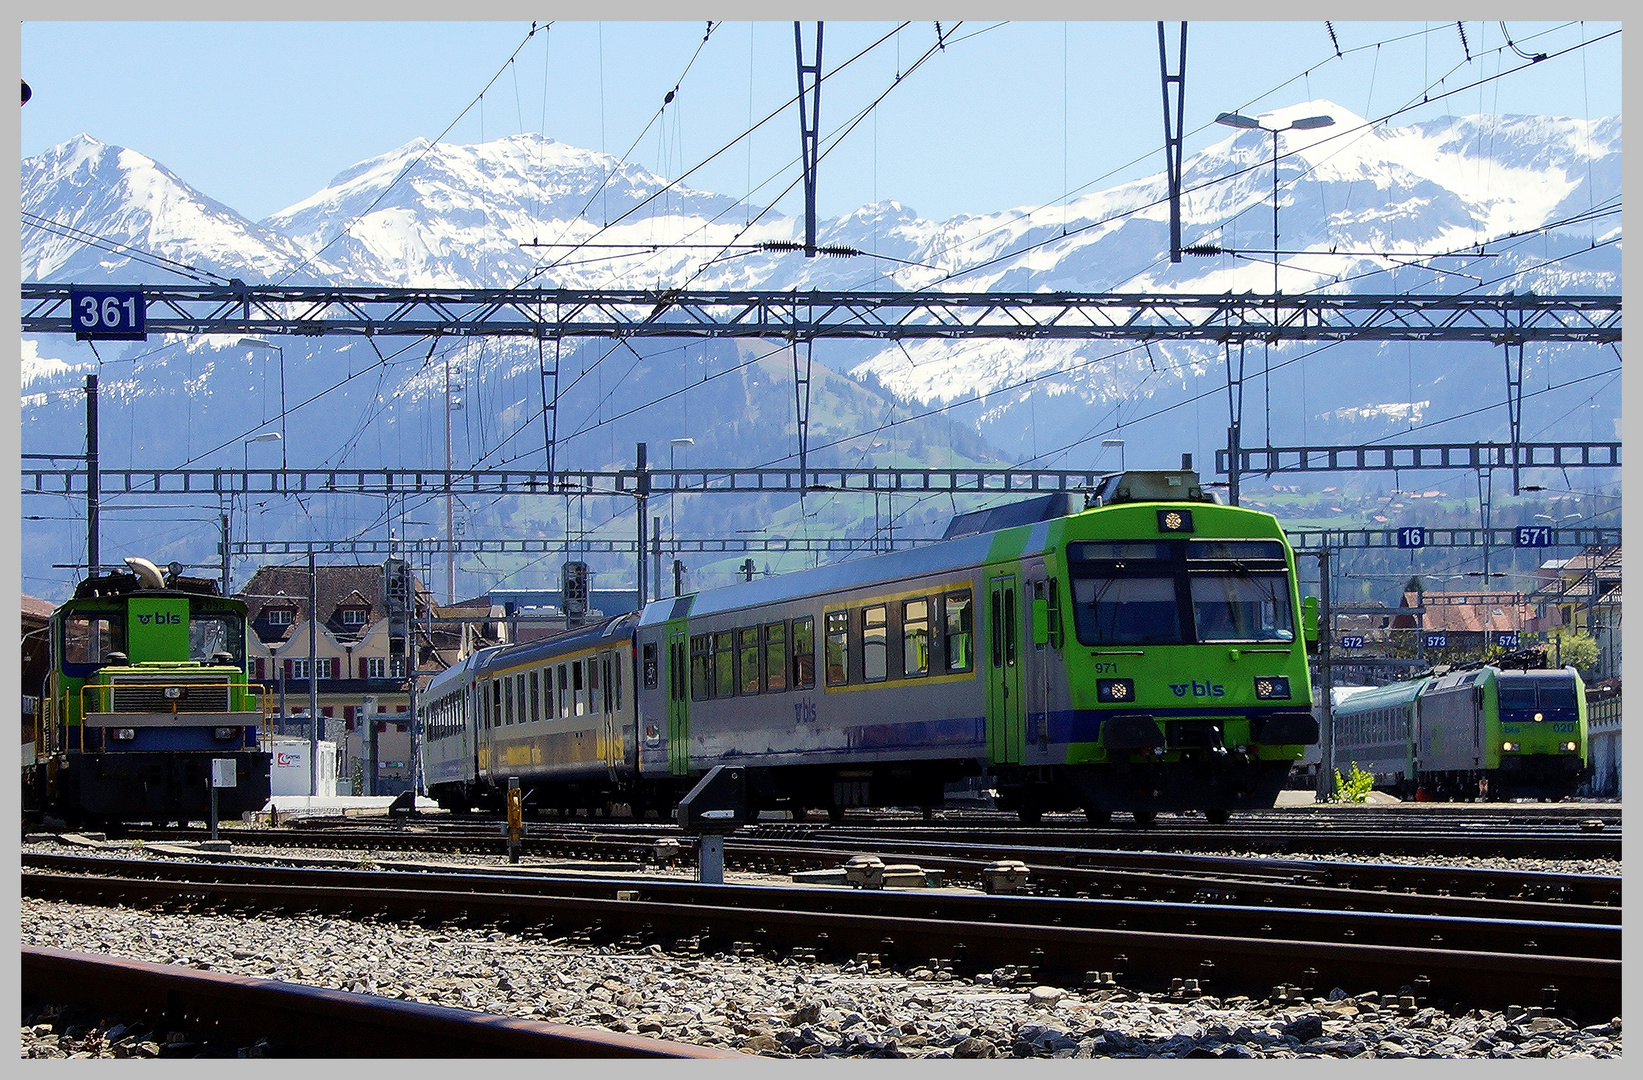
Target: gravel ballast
x,y
774,1008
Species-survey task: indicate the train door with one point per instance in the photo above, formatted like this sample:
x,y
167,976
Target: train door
x,y
613,729
678,702
1006,734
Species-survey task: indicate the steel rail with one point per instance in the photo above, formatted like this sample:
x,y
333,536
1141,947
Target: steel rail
x,y
311,1021
1583,986
551,314
1546,937
1232,881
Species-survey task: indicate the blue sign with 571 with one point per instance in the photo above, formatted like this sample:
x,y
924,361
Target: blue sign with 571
x,y
108,314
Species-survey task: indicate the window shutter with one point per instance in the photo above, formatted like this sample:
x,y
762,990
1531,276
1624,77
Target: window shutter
x,y
288,675
364,668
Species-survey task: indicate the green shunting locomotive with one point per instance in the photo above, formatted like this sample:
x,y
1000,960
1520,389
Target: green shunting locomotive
x,y
147,686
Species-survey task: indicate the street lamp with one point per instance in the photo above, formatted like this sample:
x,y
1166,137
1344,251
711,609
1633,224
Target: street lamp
x,y
1306,123
263,343
245,469
1120,444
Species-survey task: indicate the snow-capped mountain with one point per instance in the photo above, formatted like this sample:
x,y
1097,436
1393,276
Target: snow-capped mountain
x,y
1440,206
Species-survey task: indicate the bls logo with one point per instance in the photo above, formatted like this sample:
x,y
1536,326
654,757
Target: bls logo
x,y
163,618
1199,689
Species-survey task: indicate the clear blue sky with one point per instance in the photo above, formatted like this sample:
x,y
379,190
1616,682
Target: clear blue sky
x,y
261,115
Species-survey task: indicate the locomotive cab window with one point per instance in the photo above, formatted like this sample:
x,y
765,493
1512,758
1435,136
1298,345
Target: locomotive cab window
x,y
214,632
1126,611
88,639
1242,607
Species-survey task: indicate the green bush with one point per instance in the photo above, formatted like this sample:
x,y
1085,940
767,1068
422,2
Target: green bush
x,y
1354,788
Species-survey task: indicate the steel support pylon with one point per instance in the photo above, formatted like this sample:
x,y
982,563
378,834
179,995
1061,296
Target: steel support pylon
x,y
1174,122
809,129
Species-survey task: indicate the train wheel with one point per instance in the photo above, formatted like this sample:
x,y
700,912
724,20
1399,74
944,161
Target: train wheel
x,y
1098,817
1217,816
1143,818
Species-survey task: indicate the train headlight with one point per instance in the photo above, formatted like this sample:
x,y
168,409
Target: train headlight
x,y
1175,521
173,693
123,734
225,733
1510,746
1539,717
1115,691
1272,688
1571,747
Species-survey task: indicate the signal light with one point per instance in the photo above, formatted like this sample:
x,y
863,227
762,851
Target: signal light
x,y
1175,521
1115,691
1272,688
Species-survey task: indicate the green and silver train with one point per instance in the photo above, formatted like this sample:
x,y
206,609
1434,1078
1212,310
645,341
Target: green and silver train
x,y
1477,732
147,686
1143,653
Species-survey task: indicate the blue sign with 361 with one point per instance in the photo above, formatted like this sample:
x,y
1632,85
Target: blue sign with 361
x,y
108,314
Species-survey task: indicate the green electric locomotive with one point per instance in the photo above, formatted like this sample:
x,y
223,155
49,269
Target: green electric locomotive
x,y
147,687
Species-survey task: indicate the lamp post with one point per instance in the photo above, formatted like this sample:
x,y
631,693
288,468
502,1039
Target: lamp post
x,y
1120,444
673,521
262,343
245,469
1306,123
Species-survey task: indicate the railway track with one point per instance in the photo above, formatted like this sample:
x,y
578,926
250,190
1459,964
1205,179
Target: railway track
x,y
296,1020
1453,962
1061,870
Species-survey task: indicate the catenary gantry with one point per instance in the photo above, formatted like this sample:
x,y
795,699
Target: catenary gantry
x,y
1508,318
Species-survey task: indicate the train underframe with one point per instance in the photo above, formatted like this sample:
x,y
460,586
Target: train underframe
x,y
159,786
1531,777
1213,783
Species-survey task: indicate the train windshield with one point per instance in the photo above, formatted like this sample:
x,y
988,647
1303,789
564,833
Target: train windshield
x,y
210,633
1526,694
88,639
1126,611
1242,607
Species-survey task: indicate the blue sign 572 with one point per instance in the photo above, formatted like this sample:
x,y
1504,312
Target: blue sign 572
x,y
108,314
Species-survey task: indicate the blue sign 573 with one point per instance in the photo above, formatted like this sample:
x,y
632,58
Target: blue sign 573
x,y
108,314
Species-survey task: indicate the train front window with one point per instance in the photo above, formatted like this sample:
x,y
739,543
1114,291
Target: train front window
x,y
88,639
1556,693
216,632
1126,611
1242,607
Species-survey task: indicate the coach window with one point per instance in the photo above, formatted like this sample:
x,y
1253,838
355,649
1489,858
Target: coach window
x,y
564,691
838,647
579,692
875,646
651,668
536,695
724,658
701,667
747,655
507,701
804,653
957,613
519,690
775,657
915,637
595,704
616,679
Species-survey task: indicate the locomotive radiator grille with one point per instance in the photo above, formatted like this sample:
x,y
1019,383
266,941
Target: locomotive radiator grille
x,y
152,697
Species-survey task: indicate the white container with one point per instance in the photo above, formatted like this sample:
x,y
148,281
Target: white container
x,y
290,774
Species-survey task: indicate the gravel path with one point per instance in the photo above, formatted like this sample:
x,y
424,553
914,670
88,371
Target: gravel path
x,y
774,1008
